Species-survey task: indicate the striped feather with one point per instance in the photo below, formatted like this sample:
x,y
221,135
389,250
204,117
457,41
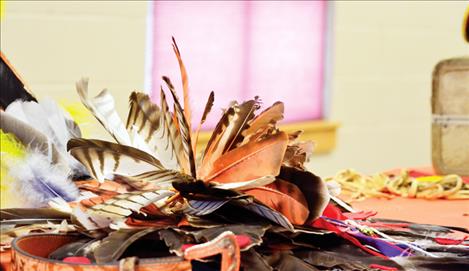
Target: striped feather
x,y
173,129
103,108
204,207
285,198
227,133
207,109
185,84
149,122
156,179
269,214
103,158
265,120
184,130
124,204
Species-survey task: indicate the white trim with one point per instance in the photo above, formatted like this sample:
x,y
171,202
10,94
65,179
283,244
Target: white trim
x,y
148,57
328,61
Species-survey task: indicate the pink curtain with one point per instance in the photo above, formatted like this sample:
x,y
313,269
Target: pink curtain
x,y
242,49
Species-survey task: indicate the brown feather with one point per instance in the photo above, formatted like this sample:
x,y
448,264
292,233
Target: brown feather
x,y
208,108
184,130
284,197
173,132
102,158
123,205
185,84
228,132
250,161
314,189
267,118
149,122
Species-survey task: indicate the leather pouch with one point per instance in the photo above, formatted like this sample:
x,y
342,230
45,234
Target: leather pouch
x,y
29,253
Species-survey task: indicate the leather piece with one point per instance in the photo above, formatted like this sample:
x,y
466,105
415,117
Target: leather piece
x,y
30,253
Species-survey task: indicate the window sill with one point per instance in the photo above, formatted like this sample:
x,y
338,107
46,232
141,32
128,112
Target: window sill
x,y
322,133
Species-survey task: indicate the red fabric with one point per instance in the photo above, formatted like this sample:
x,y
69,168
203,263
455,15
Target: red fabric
x,y
362,215
382,267
447,241
323,224
78,260
333,212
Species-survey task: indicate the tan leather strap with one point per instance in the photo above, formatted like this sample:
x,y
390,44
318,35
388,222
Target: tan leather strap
x,y
30,253
225,244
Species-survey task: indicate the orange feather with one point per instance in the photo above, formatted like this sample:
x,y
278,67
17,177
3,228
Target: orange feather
x,y
284,197
250,161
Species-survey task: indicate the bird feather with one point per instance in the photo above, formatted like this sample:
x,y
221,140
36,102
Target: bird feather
x,y
267,118
250,161
314,189
227,133
103,158
38,182
184,131
103,108
284,197
185,85
123,205
149,122
207,109
31,137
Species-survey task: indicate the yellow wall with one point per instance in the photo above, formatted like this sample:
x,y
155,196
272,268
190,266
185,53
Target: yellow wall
x,y
384,53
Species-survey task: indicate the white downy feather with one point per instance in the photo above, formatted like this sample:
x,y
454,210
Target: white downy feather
x,y
47,117
38,182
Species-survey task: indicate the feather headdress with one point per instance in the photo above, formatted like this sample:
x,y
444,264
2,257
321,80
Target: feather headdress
x,y
153,187
155,149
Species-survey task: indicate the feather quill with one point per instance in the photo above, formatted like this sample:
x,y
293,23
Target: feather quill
x,y
184,130
149,122
103,158
103,108
155,179
185,85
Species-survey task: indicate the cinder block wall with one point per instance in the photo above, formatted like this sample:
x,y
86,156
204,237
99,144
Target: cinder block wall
x,y
384,53
384,56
